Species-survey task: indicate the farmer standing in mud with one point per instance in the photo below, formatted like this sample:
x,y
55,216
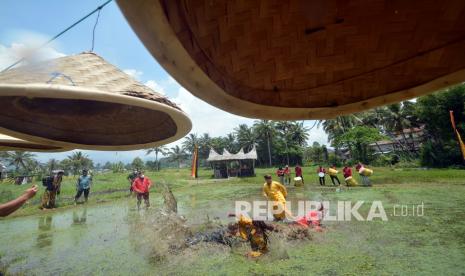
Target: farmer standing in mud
x,y
83,186
141,187
53,188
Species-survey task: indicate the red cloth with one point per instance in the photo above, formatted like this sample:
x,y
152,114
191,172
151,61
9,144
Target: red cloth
x,y
358,167
323,170
298,171
280,172
141,185
313,218
286,171
347,171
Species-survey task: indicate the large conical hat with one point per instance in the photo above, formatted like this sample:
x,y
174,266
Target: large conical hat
x,y
11,143
84,102
304,59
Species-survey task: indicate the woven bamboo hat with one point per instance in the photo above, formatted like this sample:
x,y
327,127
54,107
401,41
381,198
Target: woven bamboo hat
x,y
84,102
10,143
304,59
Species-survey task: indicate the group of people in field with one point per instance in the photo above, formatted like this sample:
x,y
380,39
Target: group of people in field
x,y
139,186
52,186
284,175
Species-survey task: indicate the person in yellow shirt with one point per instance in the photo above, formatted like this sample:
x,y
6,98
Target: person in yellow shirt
x,y
277,193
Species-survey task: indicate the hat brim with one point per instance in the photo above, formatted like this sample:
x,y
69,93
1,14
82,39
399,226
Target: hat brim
x,y
8,143
47,121
149,21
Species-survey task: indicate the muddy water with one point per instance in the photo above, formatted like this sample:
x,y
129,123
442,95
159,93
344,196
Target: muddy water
x,y
109,238
96,239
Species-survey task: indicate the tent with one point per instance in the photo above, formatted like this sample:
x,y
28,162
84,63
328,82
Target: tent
x,y
233,165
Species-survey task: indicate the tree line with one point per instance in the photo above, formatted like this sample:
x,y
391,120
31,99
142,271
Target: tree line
x,y
351,138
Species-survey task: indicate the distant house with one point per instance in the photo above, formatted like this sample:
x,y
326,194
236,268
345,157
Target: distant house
x,y
414,137
232,165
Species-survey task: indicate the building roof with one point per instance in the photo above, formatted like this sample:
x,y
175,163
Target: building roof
x,y
213,156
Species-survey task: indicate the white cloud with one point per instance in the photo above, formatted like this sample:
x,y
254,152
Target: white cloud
x,y
134,73
155,86
206,118
16,51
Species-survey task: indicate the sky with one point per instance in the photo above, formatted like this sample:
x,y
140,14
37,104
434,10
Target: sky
x,y
27,23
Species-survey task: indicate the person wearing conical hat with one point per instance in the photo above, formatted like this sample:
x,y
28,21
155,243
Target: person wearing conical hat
x,y
277,193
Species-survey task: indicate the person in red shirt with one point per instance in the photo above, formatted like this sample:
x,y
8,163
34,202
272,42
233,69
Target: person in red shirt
x,y
298,172
321,174
346,171
141,187
280,174
287,175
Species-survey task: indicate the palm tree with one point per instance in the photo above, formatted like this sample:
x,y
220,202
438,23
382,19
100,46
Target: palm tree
x,y
78,161
299,133
230,141
189,143
266,129
177,154
246,137
157,150
19,159
51,165
205,143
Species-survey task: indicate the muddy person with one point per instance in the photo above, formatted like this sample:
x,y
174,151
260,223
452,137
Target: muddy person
x,y
141,187
83,186
53,185
277,193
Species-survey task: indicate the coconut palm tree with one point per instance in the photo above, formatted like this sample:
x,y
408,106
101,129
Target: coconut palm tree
x,y
266,129
177,154
246,137
20,160
230,141
78,161
51,165
189,143
157,150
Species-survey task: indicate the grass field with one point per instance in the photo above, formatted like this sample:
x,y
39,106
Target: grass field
x,y
433,243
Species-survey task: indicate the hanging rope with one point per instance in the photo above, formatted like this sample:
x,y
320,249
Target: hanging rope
x,y
60,34
95,26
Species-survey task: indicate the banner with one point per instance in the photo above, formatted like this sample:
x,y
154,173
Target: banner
x,y
459,138
195,162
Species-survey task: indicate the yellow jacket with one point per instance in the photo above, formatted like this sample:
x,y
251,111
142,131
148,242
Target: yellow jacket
x,y
275,191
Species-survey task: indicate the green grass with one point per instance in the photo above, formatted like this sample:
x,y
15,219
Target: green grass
x,y
432,244
112,186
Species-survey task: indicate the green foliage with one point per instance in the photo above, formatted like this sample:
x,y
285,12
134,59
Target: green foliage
x,y
441,149
118,167
357,140
137,163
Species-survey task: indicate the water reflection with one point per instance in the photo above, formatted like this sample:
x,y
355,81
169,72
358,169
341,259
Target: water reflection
x,y
79,220
45,233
